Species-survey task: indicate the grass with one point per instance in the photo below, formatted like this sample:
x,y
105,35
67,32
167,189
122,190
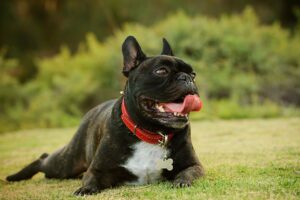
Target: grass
x,y
244,159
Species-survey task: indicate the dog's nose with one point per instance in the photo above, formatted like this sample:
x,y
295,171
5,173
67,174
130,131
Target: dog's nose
x,y
184,77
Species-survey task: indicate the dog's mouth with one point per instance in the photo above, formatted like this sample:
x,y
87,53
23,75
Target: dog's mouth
x,y
178,108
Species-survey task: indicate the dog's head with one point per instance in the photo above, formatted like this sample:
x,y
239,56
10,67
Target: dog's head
x,y
160,91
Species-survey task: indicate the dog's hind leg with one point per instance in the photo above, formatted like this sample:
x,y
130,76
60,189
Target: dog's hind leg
x,y
28,171
64,164
67,162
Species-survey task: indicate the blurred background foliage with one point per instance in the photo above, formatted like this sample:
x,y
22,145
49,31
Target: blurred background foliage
x,y
59,59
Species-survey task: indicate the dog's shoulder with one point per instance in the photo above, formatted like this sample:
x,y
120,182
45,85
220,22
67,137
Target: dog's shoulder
x,y
102,109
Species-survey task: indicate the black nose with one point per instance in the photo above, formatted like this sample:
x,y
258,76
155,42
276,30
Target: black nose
x,y
184,77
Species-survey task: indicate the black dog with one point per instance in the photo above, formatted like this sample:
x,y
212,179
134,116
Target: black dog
x,y
141,138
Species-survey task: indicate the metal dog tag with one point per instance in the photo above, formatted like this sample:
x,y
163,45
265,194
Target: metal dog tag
x,y
165,164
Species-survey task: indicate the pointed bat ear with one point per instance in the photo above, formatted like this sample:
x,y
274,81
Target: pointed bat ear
x,y
166,48
132,54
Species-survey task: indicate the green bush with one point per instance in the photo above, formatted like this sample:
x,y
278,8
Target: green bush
x,y
244,69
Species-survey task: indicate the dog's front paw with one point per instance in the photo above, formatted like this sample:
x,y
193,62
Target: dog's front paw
x,y
182,183
86,190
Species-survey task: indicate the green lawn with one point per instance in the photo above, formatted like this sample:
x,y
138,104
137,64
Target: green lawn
x,y
244,159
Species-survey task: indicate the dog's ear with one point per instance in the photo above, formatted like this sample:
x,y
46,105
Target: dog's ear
x,y
132,54
166,48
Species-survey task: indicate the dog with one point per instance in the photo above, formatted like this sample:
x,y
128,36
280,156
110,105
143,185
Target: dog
x,y
141,138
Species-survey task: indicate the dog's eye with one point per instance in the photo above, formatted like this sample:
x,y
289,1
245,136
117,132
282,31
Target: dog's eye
x,y
162,71
193,75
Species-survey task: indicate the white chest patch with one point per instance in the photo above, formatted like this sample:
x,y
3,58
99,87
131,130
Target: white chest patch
x,y
143,163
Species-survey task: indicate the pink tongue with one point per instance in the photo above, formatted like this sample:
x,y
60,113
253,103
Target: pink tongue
x,y
190,103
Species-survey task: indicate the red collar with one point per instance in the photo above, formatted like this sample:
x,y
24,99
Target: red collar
x,y
142,134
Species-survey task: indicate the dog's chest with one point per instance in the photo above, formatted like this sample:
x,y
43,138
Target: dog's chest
x,y
143,163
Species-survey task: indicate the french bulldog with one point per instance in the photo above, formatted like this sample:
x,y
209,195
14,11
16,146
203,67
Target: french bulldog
x,y
141,138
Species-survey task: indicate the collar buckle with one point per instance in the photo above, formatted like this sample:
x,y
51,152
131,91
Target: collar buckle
x,y
164,141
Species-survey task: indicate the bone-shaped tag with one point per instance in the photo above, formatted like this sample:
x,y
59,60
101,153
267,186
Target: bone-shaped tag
x,y
165,164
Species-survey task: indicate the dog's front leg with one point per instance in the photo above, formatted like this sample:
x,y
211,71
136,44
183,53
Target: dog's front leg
x,y
186,177
97,179
94,181
90,185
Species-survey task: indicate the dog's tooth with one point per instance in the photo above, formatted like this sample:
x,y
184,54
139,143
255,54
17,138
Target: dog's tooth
x,y
160,108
